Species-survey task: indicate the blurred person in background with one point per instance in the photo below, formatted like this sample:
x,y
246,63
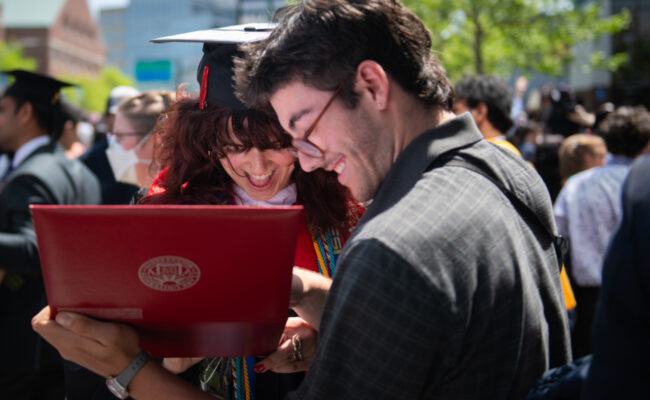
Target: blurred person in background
x,y
113,192
489,101
547,162
602,112
31,122
526,138
131,143
619,368
565,115
70,138
588,210
518,109
117,94
580,152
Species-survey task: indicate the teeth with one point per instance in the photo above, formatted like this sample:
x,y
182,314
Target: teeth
x,y
339,167
260,177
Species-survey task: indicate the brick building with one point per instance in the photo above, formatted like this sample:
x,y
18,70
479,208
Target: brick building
x,y
60,34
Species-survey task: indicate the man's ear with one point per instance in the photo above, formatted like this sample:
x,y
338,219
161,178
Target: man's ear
x,y
373,81
480,113
25,112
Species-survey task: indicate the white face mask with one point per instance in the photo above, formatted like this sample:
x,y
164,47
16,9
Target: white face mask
x,y
123,162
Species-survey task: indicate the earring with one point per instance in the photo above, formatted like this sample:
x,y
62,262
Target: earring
x,y
379,105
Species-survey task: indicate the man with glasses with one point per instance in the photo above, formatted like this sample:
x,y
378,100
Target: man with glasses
x,y
427,302
450,286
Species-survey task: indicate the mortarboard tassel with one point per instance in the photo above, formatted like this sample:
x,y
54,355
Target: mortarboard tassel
x,y
204,87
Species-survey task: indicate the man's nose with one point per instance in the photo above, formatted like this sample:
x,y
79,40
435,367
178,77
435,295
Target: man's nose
x,y
309,164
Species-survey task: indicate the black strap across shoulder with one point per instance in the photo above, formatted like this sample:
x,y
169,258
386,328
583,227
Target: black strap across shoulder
x,y
560,243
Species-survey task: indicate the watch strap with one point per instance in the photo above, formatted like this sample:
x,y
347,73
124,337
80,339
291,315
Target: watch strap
x,y
125,377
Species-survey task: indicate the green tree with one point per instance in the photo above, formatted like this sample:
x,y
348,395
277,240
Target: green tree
x,y
11,57
503,36
91,93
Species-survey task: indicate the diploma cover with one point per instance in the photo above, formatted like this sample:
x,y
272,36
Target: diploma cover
x,y
194,280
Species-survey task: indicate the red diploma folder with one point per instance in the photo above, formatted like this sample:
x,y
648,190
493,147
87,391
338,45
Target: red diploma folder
x,y
194,280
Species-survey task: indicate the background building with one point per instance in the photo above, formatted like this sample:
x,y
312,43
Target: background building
x,y
631,84
126,33
60,34
592,85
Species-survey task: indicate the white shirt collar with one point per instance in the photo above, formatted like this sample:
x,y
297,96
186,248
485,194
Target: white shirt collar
x,y
28,148
284,197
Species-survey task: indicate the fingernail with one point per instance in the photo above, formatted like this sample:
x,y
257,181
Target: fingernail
x,y
259,368
63,319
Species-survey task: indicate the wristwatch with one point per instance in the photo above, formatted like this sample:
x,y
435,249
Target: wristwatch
x,y
118,384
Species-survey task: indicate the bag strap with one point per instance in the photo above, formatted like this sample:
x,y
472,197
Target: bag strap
x,y
560,243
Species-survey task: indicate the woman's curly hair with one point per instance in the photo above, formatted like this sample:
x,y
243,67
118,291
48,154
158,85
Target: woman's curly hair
x,y
192,140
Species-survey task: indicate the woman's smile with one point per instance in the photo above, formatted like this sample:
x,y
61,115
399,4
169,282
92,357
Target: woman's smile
x,y
260,182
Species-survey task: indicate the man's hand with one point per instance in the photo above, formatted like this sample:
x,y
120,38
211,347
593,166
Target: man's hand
x,y
308,292
282,360
105,348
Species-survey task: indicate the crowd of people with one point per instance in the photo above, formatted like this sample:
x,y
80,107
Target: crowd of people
x,y
432,262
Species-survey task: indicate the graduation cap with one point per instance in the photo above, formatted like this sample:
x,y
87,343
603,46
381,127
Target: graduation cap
x,y
220,45
36,88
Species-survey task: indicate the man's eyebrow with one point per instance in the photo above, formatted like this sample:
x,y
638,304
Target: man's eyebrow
x,y
295,117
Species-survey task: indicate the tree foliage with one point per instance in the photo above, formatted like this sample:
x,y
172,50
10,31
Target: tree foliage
x,y
503,36
11,57
91,93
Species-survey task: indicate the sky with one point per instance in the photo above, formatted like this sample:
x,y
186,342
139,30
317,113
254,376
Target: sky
x,y
96,5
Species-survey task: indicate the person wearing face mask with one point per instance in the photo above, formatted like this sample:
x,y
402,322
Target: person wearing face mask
x,y
214,150
131,143
113,192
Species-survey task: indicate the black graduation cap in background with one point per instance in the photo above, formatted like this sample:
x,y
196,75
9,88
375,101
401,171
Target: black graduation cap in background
x,y
36,88
215,74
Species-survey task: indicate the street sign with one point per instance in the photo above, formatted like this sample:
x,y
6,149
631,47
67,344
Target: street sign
x,y
156,70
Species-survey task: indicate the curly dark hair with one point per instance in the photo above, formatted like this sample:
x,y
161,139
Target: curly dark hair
x,y
491,91
626,130
322,42
192,141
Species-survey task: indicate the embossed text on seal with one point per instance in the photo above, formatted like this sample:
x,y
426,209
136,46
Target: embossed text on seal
x,y
169,273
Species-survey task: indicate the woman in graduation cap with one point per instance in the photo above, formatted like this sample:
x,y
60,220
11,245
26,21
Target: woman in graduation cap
x,y
214,150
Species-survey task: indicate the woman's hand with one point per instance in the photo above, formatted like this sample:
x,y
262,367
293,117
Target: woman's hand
x,y
179,364
283,360
105,348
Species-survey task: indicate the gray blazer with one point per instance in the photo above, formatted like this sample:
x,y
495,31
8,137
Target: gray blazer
x,y
46,176
445,291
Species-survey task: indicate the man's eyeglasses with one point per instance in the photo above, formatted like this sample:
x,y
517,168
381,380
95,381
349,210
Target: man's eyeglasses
x,y
304,145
